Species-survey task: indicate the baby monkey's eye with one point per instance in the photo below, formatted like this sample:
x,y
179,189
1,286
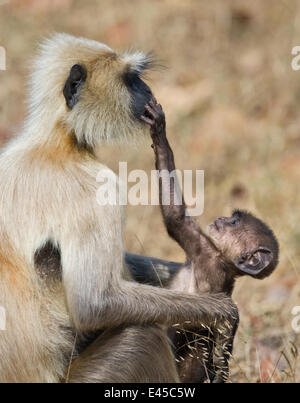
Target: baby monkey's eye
x,y
234,222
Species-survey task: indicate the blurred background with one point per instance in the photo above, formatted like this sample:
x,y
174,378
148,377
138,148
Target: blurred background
x,y
232,103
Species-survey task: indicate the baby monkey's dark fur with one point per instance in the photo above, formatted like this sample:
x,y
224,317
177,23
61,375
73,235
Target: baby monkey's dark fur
x,y
237,245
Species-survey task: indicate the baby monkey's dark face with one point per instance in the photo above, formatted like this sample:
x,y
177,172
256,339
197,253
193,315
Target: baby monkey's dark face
x,y
247,242
226,232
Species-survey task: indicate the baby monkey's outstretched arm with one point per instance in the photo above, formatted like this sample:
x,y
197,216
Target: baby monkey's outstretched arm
x,y
179,224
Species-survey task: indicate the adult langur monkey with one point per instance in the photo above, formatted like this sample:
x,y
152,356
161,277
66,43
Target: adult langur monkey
x,y
82,93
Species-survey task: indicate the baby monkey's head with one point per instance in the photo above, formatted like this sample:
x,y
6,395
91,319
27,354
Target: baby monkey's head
x,y
247,242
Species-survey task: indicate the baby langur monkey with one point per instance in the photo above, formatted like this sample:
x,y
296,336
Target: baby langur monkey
x,y
235,246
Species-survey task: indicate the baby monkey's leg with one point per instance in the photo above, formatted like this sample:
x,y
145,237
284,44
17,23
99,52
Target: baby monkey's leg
x,y
223,350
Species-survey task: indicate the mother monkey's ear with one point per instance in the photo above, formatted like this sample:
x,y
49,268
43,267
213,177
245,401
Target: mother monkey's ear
x,y
76,79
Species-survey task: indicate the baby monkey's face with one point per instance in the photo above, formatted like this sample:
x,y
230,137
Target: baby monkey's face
x,y
228,234
247,242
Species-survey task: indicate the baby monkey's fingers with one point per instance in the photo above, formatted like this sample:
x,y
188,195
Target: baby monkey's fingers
x,y
151,109
147,120
155,111
154,116
157,108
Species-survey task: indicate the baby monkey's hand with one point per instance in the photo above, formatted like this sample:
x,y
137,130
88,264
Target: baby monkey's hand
x,y
154,116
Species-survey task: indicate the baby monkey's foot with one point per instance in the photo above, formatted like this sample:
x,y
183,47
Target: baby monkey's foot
x,y
154,116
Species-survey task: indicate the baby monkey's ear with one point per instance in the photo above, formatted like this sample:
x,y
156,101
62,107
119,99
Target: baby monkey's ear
x,y
255,261
77,77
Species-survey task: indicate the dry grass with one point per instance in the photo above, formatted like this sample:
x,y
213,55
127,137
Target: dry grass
x,y
232,104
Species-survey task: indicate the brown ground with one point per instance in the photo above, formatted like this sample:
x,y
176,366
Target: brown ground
x,y
232,103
